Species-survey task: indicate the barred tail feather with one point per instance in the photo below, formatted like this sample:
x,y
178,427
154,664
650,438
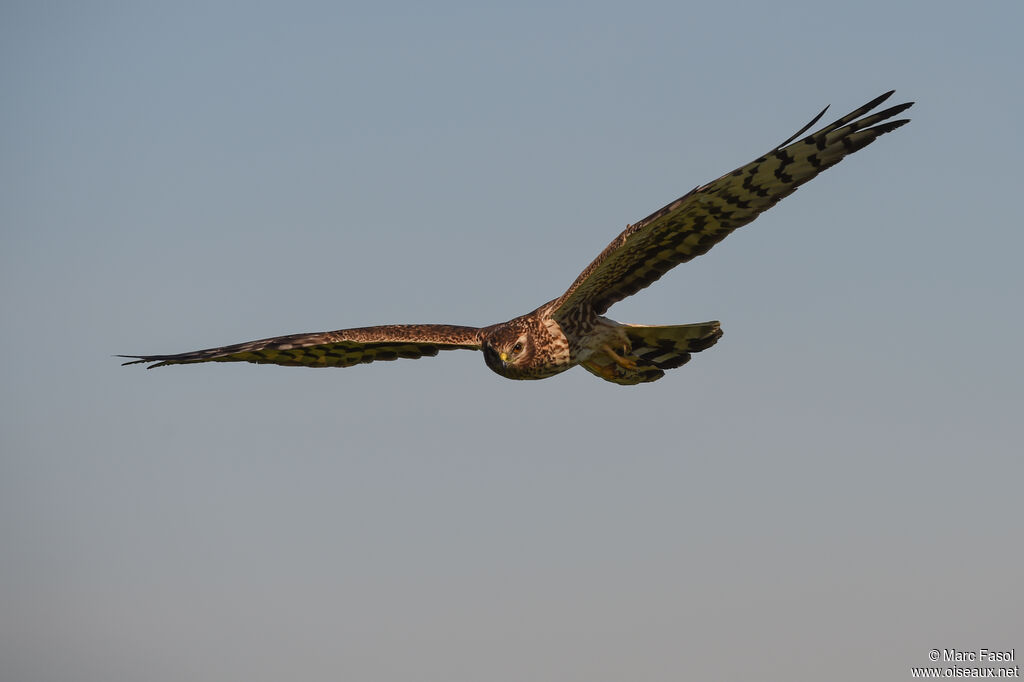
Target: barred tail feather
x,y
670,346
652,350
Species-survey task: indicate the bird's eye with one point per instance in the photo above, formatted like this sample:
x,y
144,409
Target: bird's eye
x,y
518,348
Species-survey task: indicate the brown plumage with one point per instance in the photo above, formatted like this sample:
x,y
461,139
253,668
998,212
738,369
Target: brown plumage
x,y
571,329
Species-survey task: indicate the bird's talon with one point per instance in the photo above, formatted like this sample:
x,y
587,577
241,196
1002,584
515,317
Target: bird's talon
x,y
621,360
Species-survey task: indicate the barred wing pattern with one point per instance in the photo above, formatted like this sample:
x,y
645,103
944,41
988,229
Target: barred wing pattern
x,y
342,348
692,224
569,330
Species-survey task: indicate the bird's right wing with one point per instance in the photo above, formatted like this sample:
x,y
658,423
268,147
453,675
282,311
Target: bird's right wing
x,y
695,222
342,348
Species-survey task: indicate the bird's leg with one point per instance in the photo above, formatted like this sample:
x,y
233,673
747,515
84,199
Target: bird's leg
x,y
621,361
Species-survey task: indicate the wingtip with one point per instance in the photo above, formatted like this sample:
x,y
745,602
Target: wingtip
x,y
881,98
139,360
890,126
893,110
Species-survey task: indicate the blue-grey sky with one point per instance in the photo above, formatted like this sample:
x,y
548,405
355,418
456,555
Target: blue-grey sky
x,y
829,493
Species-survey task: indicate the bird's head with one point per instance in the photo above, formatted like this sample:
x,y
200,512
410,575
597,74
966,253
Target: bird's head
x,y
508,350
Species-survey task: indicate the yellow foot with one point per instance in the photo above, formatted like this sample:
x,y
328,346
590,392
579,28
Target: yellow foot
x,y
623,362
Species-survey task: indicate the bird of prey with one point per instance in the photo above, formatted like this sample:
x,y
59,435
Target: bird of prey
x,y
571,329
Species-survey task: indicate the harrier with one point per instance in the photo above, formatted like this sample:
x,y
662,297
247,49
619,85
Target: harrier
x,y
572,330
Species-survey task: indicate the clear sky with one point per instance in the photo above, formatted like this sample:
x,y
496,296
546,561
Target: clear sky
x,y
829,493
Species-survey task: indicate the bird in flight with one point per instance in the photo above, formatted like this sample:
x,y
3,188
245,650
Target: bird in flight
x,y
572,330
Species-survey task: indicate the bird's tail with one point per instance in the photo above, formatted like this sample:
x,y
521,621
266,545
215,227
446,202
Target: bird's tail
x,y
652,350
669,346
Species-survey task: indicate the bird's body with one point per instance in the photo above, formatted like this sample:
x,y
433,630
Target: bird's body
x,y
572,329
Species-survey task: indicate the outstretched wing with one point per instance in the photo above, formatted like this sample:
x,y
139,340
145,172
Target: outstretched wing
x,y
692,224
342,348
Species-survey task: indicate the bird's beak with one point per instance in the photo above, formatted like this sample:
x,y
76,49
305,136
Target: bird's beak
x,y
504,357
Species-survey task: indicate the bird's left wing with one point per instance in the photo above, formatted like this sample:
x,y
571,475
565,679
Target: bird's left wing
x,y
342,348
692,224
